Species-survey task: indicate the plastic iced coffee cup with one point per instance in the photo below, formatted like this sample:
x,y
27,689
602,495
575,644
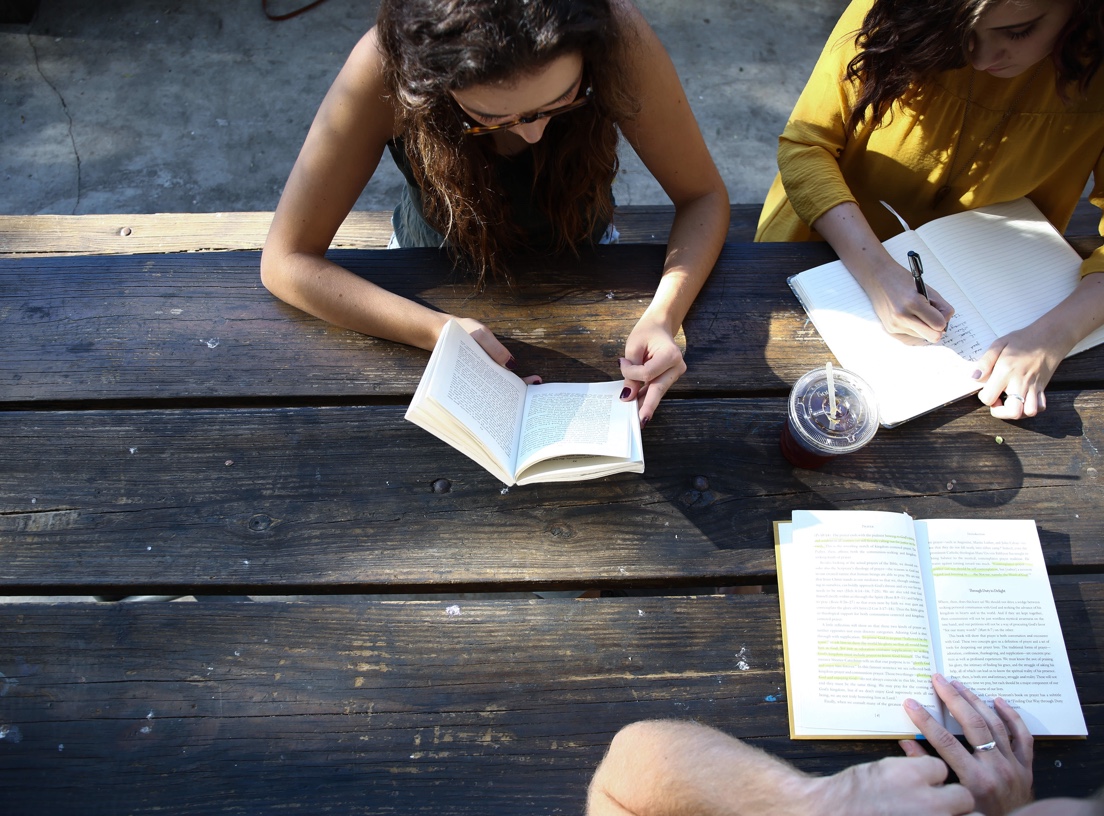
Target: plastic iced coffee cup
x,y
813,434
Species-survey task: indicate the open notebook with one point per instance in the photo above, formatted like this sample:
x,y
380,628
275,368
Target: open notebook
x,y
1002,267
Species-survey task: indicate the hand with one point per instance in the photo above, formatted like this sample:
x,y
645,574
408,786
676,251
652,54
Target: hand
x,y
490,344
999,779
1016,369
903,311
898,785
652,363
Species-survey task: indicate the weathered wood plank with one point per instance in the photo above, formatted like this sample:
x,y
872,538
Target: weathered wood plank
x,y
129,234
201,326
498,707
340,499
142,233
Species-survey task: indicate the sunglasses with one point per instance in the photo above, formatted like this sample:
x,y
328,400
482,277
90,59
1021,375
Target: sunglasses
x,y
469,129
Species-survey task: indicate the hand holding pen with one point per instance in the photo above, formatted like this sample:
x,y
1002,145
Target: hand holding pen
x,y
902,313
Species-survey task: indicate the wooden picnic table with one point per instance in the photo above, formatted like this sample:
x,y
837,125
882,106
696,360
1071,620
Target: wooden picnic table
x,y
168,428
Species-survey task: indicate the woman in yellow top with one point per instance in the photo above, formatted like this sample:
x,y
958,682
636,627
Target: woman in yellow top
x,y
940,107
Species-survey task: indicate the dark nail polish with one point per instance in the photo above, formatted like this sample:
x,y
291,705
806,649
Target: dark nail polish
x,y
644,422
511,364
977,374
625,392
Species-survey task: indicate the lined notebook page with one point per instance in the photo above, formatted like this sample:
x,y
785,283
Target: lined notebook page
x,y
908,379
1008,260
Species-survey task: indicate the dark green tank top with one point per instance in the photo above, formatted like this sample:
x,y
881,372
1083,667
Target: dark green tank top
x,y
514,173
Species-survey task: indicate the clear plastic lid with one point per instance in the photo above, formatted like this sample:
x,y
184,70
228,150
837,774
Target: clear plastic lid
x,y
856,418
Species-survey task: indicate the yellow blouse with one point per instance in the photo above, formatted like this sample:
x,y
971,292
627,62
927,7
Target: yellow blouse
x,y
1045,151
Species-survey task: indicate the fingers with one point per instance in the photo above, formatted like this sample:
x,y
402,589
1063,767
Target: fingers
x,y
925,322
998,772
928,318
932,312
945,308
650,381
912,748
942,740
488,342
980,724
1015,370
1023,744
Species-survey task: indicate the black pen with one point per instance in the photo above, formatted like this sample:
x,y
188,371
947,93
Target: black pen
x,y
918,274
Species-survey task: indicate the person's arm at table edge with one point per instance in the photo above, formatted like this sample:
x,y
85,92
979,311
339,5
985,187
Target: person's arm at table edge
x,y
666,137
339,156
676,768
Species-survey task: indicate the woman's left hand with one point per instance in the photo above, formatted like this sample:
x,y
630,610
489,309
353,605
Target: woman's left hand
x,y
652,363
1016,369
998,771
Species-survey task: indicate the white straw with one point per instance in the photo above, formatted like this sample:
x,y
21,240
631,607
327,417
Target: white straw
x,y
831,390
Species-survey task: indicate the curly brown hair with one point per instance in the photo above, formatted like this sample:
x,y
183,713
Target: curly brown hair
x,y
902,44
432,47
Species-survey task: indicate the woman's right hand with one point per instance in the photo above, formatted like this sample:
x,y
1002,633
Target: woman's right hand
x,y
490,344
903,311
892,291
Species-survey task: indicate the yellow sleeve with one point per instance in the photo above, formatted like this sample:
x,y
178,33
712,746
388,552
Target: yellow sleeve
x,y
815,136
1095,262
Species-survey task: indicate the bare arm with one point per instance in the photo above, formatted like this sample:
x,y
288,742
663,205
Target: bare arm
x,y
671,768
341,152
666,137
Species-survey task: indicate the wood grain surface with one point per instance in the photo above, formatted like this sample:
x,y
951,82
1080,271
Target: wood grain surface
x,y
469,707
344,499
201,326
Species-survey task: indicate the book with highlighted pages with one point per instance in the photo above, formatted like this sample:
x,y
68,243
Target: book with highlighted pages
x,y
873,603
1002,267
554,432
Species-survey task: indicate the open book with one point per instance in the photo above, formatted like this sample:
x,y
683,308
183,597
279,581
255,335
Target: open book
x,y
1002,267
873,603
555,432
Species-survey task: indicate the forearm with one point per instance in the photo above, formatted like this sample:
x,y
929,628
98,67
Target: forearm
x,y
697,235
847,231
1075,317
671,768
332,293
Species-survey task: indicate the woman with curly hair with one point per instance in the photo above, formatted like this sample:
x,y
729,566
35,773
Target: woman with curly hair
x,y
940,107
504,117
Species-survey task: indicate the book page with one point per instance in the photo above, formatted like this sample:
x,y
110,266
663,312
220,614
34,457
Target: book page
x,y
856,624
577,419
998,627
1008,260
471,402
908,379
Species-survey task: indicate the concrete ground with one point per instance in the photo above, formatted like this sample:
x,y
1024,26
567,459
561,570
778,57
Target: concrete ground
x,y
124,106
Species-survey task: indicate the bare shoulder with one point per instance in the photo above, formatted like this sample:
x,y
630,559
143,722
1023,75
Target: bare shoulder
x,y
361,90
640,44
366,62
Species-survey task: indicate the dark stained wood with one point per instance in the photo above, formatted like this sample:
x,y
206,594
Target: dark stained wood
x,y
166,426
340,499
499,707
201,326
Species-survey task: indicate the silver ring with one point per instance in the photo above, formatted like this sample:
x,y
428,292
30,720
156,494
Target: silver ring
x,y
1013,396
989,746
